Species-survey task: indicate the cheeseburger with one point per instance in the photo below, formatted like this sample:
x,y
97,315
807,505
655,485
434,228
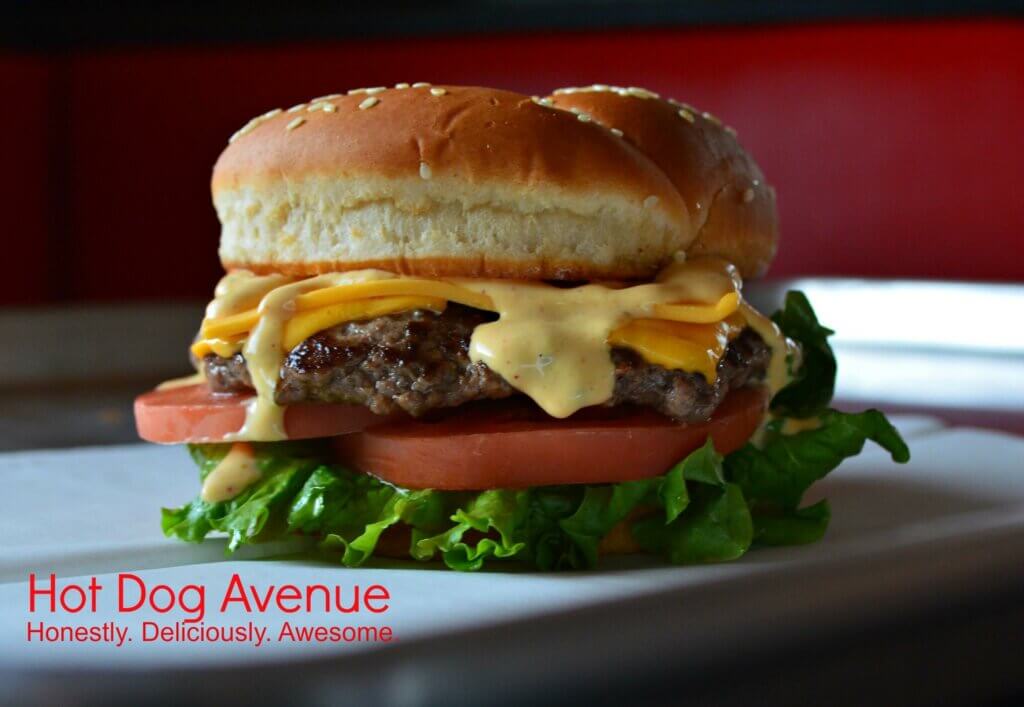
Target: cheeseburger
x,y
465,324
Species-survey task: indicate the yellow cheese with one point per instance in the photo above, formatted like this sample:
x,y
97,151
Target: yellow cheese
x,y
242,322
699,313
304,324
321,309
231,325
552,343
548,342
225,348
696,348
437,289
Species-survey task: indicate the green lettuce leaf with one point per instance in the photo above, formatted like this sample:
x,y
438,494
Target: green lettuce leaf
x,y
495,517
814,381
783,469
778,526
559,527
716,527
253,514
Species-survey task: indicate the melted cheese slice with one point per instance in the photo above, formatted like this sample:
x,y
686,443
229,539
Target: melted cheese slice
x,y
304,324
550,343
679,345
553,344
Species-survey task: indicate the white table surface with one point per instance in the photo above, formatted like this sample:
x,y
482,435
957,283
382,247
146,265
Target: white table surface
x,y
95,511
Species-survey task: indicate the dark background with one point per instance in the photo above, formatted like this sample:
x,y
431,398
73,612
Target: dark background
x,y
891,130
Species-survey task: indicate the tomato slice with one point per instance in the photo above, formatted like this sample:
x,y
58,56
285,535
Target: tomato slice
x,y
472,450
195,414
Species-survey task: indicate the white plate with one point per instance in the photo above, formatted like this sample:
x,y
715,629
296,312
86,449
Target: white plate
x,y
87,512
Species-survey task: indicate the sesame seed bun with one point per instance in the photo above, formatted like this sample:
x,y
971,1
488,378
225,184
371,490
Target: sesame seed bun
x,y
455,181
732,209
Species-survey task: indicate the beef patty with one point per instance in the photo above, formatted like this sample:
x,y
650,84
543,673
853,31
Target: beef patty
x,y
419,361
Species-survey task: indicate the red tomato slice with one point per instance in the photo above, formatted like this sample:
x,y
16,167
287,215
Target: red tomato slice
x,y
470,450
194,414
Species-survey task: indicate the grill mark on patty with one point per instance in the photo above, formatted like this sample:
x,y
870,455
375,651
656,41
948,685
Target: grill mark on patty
x,y
419,361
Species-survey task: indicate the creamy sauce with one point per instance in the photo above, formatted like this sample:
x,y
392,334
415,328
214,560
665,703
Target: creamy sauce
x,y
235,472
552,343
548,342
264,351
796,425
241,290
785,353
785,358
193,379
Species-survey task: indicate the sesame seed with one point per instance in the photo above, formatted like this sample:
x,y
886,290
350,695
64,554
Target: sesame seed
x,y
248,127
650,202
616,132
641,92
296,122
329,108
437,92
315,107
296,108
686,115
748,196
234,136
583,117
731,130
401,85
546,102
710,118
369,102
270,114
354,91
375,90
328,97
420,84
600,87
425,172
574,109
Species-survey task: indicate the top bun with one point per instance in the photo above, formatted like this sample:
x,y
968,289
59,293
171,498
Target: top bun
x,y
732,209
457,181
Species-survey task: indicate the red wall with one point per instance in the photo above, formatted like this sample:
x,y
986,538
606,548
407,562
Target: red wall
x,y
26,179
896,149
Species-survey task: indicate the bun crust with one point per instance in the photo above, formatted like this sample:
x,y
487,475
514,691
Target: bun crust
x,y
591,183
732,209
448,180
